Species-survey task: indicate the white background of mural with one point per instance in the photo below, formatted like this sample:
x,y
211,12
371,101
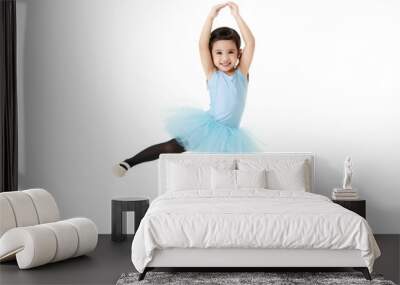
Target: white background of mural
x,y
95,77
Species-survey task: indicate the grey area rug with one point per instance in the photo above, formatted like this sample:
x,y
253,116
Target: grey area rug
x,y
270,278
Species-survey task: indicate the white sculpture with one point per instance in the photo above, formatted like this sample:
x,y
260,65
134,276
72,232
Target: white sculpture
x,y
348,172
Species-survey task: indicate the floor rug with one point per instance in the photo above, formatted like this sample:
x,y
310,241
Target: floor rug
x,y
244,278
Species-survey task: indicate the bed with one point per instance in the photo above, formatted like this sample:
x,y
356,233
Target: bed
x,y
245,211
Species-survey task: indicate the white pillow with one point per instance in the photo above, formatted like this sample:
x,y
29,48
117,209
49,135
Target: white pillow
x,y
185,177
251,178
222,179
189,174
282,174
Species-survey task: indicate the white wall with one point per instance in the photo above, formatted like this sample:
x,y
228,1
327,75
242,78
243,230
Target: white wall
x,y
95,77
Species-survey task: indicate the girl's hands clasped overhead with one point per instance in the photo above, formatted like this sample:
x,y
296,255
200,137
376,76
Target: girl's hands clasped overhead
x,y
234,8
232,5
215,10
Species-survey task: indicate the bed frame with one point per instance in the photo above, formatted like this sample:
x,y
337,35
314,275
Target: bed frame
x,y
249,258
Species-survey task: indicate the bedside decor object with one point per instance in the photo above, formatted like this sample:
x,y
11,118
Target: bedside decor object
x,y
348,173
119,207
32,233
345,194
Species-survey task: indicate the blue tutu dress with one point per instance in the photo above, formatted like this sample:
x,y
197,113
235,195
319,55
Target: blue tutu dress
x,y
217,129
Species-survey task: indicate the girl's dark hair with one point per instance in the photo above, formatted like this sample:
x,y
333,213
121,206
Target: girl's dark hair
x,y
224,33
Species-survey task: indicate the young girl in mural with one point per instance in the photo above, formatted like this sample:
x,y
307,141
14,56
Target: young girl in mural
x,y
226,67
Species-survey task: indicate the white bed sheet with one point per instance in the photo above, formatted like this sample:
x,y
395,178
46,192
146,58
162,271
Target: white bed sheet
x,y
250,218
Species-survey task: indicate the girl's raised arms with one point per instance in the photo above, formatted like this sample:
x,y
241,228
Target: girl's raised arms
x,y
247,55
205,55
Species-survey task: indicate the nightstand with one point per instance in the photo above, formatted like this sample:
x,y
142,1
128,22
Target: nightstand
x,y
357,206
119,207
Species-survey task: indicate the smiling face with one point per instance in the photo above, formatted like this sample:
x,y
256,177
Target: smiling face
x,y
225,55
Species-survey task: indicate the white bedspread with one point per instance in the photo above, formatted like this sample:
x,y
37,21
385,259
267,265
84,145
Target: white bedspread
x,y
250,218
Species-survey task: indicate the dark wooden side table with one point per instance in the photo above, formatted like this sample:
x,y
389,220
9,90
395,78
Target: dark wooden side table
x,y
357,206
119,207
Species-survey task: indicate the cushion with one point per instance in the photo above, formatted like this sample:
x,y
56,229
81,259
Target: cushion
x,y
188,175
222,179
40,244
45,205
7,220
23,208
27,208
282,174
251,178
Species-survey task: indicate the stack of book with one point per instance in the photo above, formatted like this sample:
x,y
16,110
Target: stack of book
x,y
344,194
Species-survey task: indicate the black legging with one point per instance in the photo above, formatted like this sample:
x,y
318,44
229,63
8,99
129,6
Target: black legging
x,y
154,151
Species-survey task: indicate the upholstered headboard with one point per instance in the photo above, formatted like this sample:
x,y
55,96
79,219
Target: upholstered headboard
x,y
205,158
